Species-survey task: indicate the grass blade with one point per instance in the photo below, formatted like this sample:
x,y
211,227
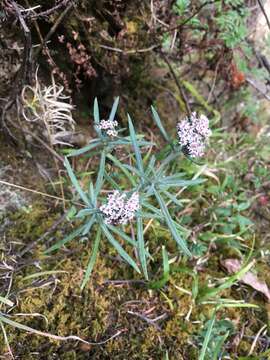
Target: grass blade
x,y
114,109
119,248
92,259
159,125
181,242
206,293
135,145
75,182
155,285
207,337
141,248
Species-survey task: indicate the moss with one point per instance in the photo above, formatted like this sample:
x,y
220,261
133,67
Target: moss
x,y
102,309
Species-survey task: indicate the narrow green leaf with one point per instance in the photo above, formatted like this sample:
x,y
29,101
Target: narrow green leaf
x,y
118,163
122,234
181,242
158,284
97,118
75,182
119,248
135,145
166,265
181,182
92,195
206,293
141,246
150,167
101,171
159,125
85,212
172,156
96,112
218,347
86,148
207,337
173,198
136,171
114,109
92,259
111,181
68,238
89,225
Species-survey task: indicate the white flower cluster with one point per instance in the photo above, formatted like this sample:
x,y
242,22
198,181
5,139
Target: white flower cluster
x,y
120,209
109,127
193,133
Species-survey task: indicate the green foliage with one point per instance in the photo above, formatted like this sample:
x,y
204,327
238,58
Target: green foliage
x,y
213,336
150,177
232,25
181,6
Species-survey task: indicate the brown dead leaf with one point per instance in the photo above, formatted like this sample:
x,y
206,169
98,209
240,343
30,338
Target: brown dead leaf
x,y
234,265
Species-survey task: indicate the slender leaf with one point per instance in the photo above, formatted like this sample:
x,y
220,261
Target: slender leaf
x,y
141,246
166,265
84,212
150,166
136,171
96,117
92,259
68,238
118,163
181,242
114,109
96,112
163,183
111,181
159,124
75,182
155,285
101,171
85,149
122,234
119,248
206,293
173,198
207,337
88,225
135,145
218,347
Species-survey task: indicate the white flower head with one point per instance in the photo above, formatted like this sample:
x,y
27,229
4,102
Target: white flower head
x,y
109,127
119,208
193,133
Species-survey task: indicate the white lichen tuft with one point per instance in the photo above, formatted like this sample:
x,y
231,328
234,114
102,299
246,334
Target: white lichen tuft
x,y
120,209
51,110
193,134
